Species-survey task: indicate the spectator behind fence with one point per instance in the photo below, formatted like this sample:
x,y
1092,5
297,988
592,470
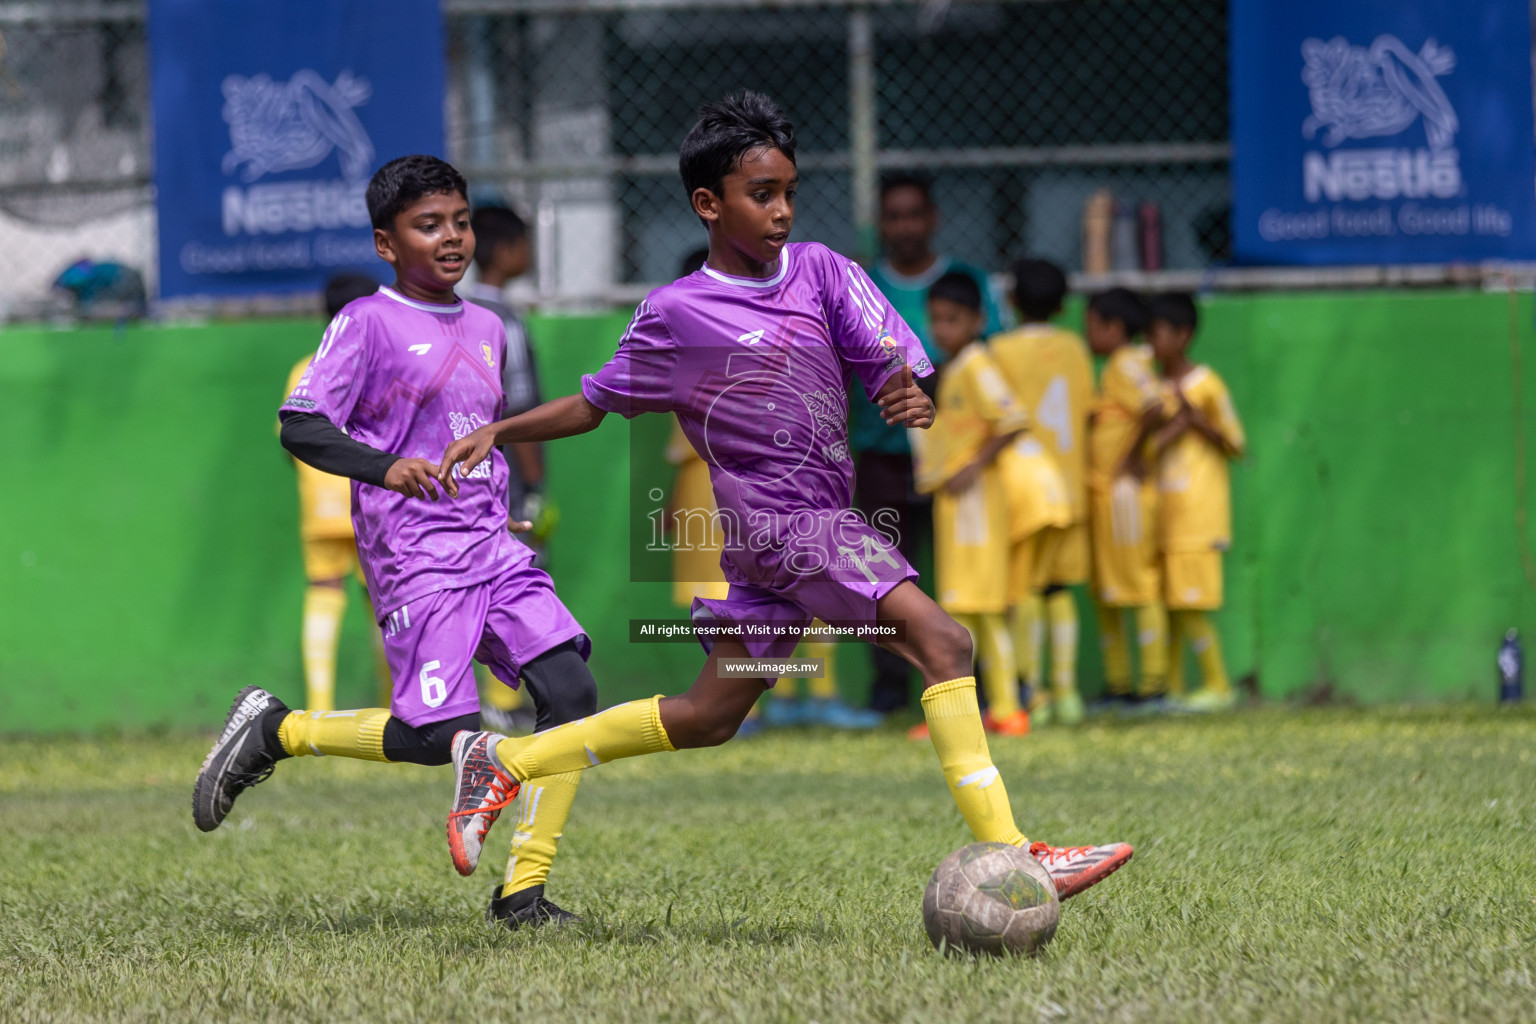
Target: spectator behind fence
x,y
503,253
907,269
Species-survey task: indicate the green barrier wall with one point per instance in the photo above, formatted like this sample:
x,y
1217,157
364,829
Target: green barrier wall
x,y
149,564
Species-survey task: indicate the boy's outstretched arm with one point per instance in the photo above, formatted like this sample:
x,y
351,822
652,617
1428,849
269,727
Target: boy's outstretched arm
x,y
562,417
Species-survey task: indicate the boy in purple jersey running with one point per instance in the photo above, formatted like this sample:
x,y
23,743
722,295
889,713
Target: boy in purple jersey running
x,y
398,376
754,353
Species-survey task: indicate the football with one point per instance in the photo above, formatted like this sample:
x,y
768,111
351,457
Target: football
x,y
990,898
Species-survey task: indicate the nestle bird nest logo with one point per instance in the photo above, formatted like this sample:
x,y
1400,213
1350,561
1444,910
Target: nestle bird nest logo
x,y
287,126
293,125
1363,92
1379,91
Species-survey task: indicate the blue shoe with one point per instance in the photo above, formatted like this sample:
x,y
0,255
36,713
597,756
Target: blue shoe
x,y
783,713
834,714
1112,704
1157,704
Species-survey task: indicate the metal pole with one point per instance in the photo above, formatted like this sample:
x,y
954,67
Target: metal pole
x,y
861,128
480,91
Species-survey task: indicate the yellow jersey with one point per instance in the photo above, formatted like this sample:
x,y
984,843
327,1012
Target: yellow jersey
x,y
1127,385
1051,375
696,535
1193,482
325,501
973,405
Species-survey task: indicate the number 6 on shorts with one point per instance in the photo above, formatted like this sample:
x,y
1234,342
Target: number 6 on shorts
x,y
433,690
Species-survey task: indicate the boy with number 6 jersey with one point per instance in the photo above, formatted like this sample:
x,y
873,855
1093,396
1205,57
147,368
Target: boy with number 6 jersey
x,y
1051,375
398,376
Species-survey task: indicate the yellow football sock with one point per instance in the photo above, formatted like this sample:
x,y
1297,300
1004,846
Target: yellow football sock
x,y
823,687
1204,641
1027,621
954,724
358,734
1116,648
1177,625
323,609
542,807
627,730
1152,645
1061,610
497,694
999,672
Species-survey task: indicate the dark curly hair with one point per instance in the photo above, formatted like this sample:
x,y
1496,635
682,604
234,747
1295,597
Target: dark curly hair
x,y
406,179
728,130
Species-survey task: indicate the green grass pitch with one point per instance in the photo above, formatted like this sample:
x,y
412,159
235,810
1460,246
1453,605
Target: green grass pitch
x,y
1291,866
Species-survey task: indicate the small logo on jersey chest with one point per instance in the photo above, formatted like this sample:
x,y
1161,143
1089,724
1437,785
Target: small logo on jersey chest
x,y
752,337
420,350
489,353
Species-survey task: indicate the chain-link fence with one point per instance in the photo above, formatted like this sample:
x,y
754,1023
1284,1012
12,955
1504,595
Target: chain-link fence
x,y
74,143
1092,132
1018,113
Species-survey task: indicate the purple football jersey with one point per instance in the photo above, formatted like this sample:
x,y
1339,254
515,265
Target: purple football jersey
x,y
757,371
409,378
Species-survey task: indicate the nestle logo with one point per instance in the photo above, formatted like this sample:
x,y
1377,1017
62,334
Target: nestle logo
x,y
277,207
1361,174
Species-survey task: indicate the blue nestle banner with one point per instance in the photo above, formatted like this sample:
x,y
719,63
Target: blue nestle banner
x,y
1382,131
270,116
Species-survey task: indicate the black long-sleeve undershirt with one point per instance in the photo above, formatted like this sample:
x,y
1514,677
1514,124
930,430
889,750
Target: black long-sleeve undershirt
x,y
315,441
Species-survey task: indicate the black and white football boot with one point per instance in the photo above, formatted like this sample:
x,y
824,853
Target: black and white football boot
x,y
240,759
526,907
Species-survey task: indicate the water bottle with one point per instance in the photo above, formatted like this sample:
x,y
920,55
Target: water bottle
x,y
1511,669
1098,218
1150,221
1123,253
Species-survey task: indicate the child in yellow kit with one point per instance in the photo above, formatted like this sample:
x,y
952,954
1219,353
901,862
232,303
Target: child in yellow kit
x,y
1122,507
1049,371
330,549
1200,437
991,500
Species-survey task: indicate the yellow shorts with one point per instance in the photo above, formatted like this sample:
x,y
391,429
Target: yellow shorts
x,y
684,591
1192,580
330,558
970,547
697,538
1034,489
1023,561
1125,566
1063,557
